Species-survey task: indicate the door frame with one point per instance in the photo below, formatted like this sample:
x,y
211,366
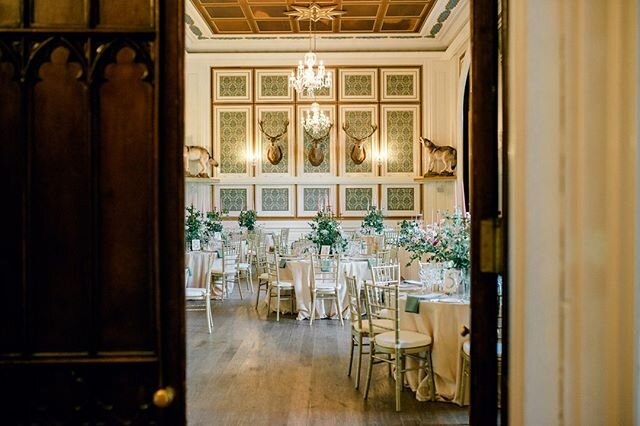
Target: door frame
x,y
484,208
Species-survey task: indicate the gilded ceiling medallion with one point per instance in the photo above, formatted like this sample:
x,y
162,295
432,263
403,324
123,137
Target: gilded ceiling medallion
x,y
314,12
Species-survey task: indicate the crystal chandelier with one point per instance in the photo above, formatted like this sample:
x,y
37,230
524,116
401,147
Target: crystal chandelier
x,y
310,78
307,80
315,122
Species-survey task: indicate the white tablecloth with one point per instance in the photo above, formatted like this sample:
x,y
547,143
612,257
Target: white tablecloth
x,y
198,262
442,322
298,272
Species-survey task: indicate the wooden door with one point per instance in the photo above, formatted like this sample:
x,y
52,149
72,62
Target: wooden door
x,y
488,218
91,311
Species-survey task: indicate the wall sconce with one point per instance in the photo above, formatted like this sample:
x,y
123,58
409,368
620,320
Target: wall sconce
x,y
380,158
253,159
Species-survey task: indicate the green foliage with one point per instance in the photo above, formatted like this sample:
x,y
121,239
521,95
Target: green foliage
x,y
247,219
192,224
326,231
212,223
373,222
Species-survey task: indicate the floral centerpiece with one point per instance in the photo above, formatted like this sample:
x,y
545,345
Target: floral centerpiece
x,y
192,225
373,222
247,219
212,223
447,240
326,231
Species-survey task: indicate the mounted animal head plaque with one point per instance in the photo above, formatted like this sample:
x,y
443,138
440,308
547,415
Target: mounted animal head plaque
x,y
358,152
315,155
445,156
274,153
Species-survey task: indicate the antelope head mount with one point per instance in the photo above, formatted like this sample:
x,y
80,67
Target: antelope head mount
x,y
358,152
316,156
274,153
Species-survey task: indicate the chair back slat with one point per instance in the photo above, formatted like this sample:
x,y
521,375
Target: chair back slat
x,y
273,266
324,270
382,302
355,305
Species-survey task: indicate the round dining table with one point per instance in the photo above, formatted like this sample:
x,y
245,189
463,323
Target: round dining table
x,y
298,272
441,319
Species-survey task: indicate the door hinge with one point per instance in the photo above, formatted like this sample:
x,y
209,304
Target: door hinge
x,y
491,246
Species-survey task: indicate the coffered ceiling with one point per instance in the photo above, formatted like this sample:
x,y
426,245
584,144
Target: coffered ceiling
x,y
268,16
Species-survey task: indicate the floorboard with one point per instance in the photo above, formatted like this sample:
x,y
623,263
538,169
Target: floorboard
x,y
255,371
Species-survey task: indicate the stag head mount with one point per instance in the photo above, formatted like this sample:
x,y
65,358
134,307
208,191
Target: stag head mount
x,y
316,155
358,152
274,153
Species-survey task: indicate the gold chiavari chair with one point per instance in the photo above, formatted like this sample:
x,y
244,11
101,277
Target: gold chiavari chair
x,y
284,289
393,346
324,283
360,331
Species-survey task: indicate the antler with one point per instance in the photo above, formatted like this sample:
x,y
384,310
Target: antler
x,y
358,140
272,138
318,139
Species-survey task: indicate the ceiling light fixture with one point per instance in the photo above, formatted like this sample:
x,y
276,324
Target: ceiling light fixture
x,y
310,77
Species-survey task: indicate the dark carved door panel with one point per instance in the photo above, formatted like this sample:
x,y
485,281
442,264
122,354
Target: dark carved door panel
x,y
91,318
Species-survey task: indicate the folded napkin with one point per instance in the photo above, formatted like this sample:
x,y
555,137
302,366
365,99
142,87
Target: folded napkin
x,y
412,305
283,263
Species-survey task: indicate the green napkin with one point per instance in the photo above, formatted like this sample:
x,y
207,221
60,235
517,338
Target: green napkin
x,y
412,305
283,263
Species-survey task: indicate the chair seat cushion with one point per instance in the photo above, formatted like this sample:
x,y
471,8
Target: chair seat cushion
x,y
263,277
380,326
194,292
325,286
281,284
228,271
408,339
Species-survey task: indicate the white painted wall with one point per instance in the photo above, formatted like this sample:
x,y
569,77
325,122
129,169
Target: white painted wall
x,y
573,157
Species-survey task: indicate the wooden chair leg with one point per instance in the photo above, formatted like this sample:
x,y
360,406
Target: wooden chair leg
x,y
398,379
239,286
313,308
359,361
351,355
369,370
258,295
278,306
268,300
339,303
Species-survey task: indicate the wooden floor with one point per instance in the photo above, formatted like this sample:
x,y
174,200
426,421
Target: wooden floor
x,y
259,372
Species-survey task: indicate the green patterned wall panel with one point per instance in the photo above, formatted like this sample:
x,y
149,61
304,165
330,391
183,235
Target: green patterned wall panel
x,y
400,85
314,196
233,199
273,122
400,199
275,199
358,85
325,91
358,199
232,86
324,145
233,137
274,85
359,125
400,141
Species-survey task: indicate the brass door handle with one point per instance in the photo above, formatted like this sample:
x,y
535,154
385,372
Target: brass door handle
x,y
163,397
